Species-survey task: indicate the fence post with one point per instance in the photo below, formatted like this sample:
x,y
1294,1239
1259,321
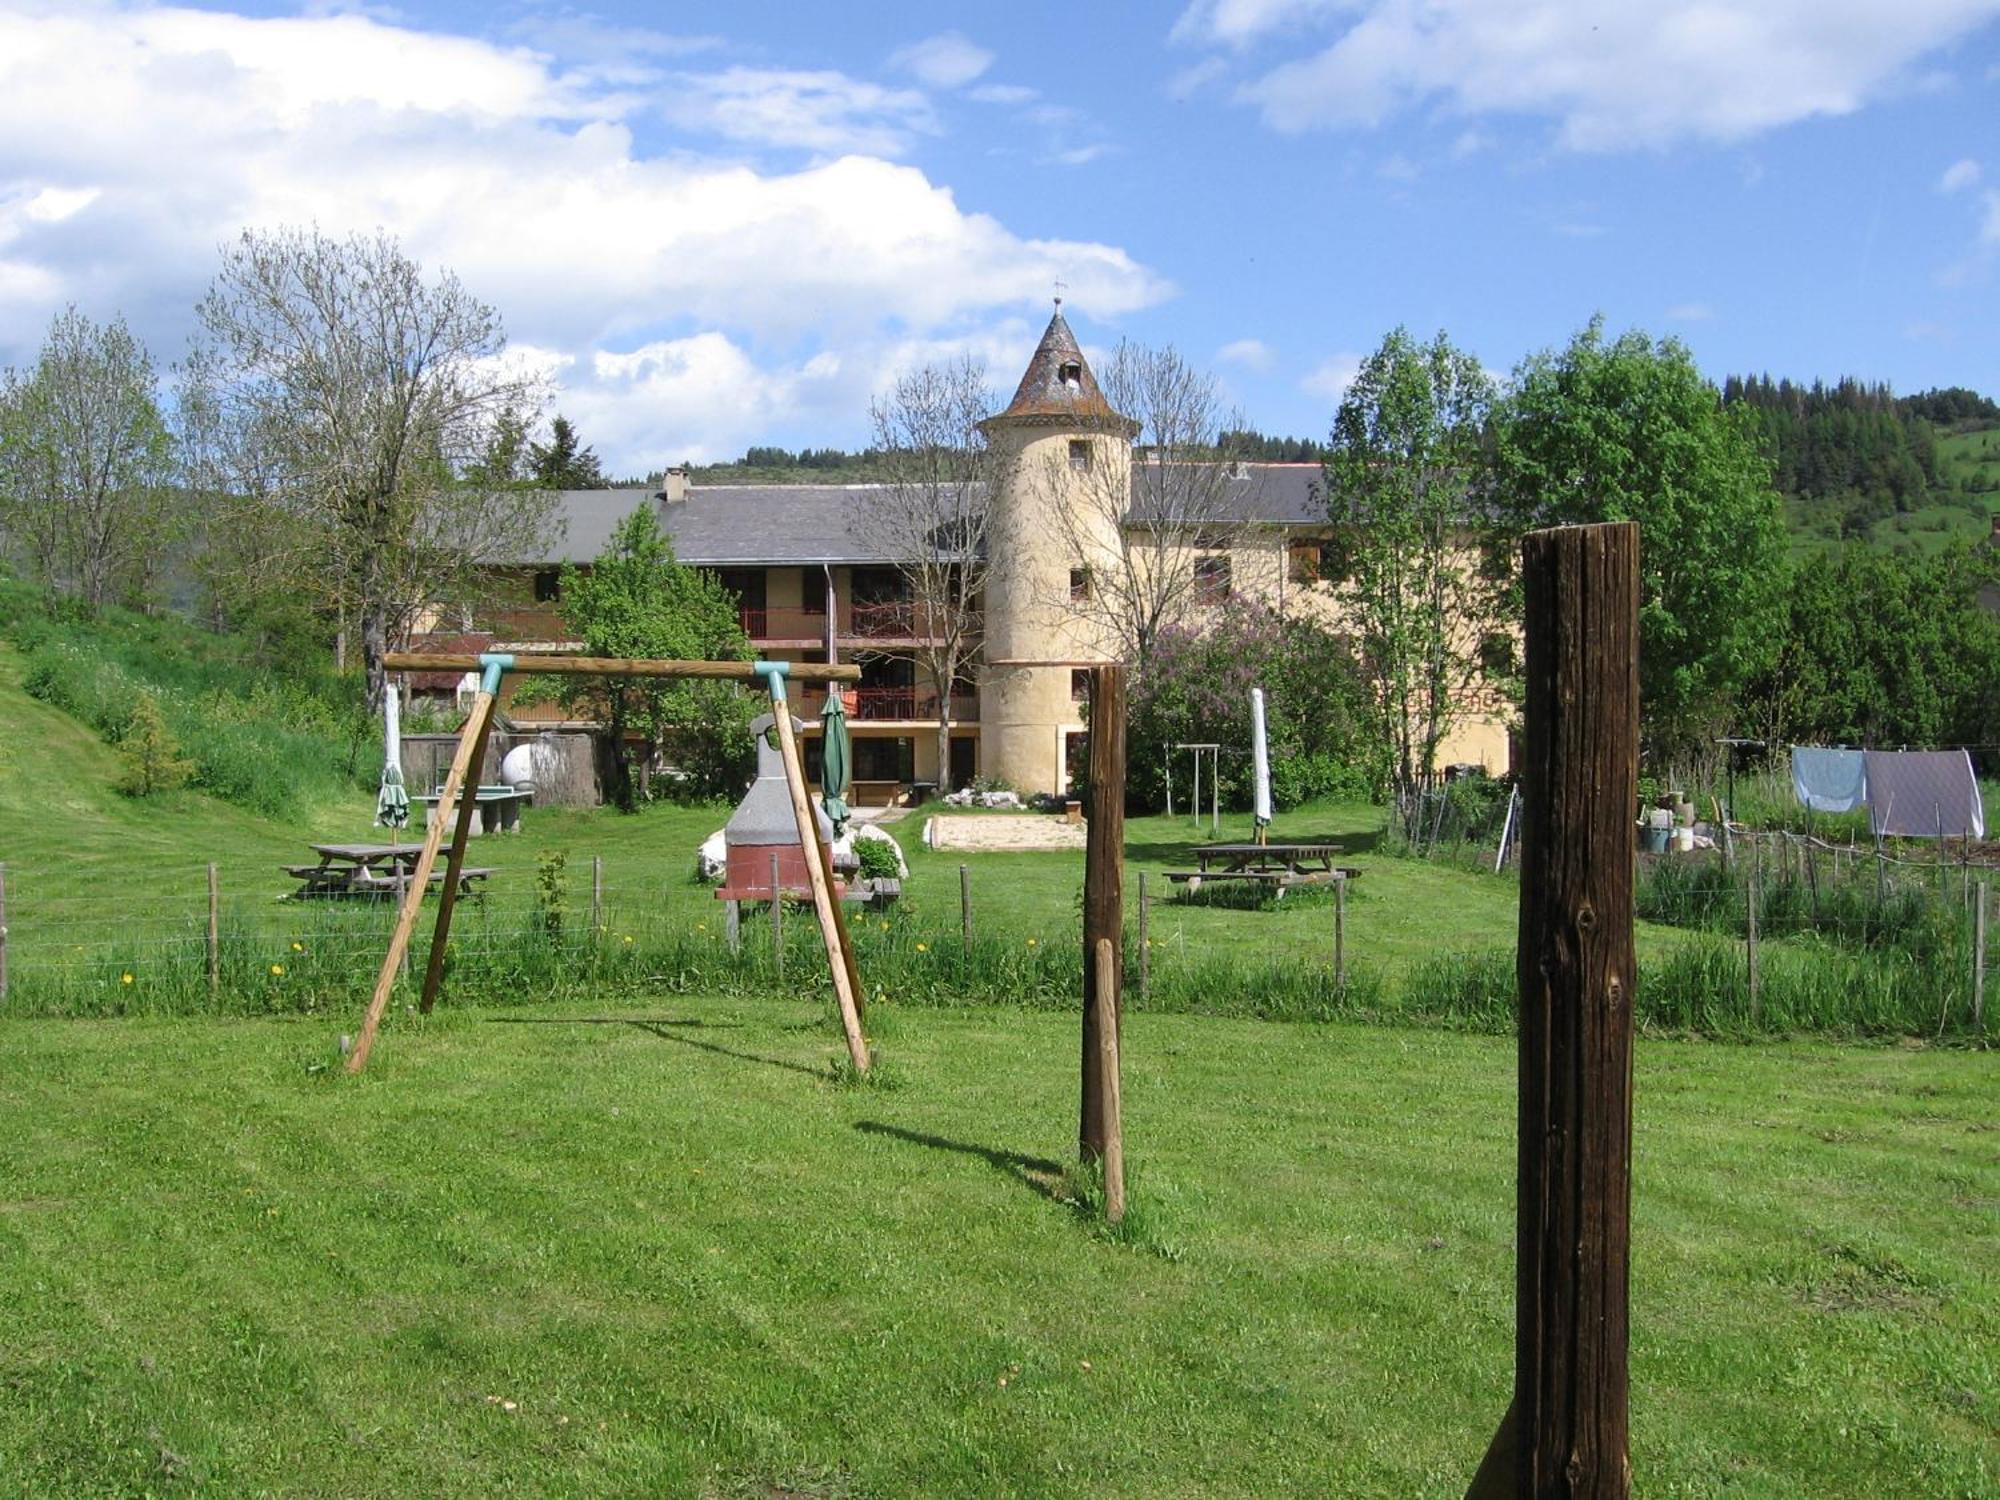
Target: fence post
x,y
1103,901
1340,929
732,925
777,919
1145,941
3,931
1750,925
596,895
214,933
1106,963
1565,1433
1978,961
965,910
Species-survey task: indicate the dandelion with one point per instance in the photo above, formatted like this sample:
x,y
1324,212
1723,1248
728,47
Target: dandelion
x,y
628,939
278,971
124,978
923,947
298,947
1034,942
701,927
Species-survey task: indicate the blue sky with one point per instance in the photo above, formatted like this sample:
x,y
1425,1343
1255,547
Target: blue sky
x,y
717,225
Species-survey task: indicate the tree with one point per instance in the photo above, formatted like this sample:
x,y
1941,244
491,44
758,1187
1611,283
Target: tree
x,y
638,600
930,517
1184,489
1412,545
85,462
368,395
563,463
151,754
1630,431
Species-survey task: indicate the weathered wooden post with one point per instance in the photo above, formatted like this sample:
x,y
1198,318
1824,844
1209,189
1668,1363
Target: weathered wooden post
x,y
1565,1433
1145,941
1105,961
1751,893
1103,899
965,910
777,919
1340,929
214,933
596,896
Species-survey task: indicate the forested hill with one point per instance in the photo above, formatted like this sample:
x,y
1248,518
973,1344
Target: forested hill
x,y
1857,462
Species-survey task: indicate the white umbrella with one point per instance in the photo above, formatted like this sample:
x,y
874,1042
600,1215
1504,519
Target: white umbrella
x,y
1260,750
392,804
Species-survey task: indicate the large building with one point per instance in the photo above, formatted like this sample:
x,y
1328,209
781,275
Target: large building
x,y
815,581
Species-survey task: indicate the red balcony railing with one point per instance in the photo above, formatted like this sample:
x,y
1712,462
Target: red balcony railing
x,y
898,619
875,704
783,624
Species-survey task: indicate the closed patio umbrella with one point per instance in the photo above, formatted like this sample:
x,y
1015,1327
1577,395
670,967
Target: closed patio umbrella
x,y
1260,749
392,803
836,761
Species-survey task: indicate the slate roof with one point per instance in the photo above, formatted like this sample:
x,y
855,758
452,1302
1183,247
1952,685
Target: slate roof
x,y
1045,395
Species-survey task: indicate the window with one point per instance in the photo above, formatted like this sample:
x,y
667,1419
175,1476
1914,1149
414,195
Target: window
x,y
1079,585
1305,562
548,586
1211,580
1079,454
1079,684
1071,373
812,591
877,759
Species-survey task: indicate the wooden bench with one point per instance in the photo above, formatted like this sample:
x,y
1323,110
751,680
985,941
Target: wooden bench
x,y
1282,880
336,880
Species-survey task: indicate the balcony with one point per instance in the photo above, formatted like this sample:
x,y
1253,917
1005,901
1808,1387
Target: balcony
x,y
907,705
803,626
891,620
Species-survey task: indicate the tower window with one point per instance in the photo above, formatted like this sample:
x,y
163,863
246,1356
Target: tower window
x,y
1071,373
548,586
1079,684
1079,585
1079,454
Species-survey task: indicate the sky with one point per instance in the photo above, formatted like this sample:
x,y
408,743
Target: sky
x,y
710,226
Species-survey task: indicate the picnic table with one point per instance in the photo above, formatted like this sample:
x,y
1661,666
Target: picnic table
x,y
499,808
1279,864
369,870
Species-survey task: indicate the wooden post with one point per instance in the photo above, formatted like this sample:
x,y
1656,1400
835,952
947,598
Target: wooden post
x,y
596,895
1565,1434
1103,897
732,924
214,933
965,910
3,931
481,724
420,879
1145,941
1215,794
1751,892
833,931
1979,959
1107,1066
777,919
1340,930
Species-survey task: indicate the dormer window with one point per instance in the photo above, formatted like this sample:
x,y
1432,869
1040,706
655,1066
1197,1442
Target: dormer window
x,y
1071,374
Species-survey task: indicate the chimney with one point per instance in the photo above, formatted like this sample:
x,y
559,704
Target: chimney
x,y
673,487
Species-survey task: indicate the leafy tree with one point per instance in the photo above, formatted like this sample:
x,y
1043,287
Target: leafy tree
x,y
930,518
563,463
1411,546
365,398
1195,689
1628,430
637,600
85,463
151,754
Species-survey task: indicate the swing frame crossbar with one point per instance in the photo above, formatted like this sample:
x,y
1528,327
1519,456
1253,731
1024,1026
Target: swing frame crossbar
x,y
457,811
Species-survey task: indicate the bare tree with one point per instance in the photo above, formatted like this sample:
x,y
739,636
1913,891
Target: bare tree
x,y
930,517
367,397
1184,493
85,462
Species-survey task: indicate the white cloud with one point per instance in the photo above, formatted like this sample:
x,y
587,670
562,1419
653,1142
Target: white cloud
x,y
1613,74
948,60
525,179
1397,167
1959,175
1332,376
1690,312
1191,80
1251,354
818,111
1078,156
1002,93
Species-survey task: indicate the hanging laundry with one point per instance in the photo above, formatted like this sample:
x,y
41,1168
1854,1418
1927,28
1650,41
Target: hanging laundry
x,y
1924,794
1829,781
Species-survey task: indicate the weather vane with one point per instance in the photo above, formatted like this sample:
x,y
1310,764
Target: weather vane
x,y
1061,287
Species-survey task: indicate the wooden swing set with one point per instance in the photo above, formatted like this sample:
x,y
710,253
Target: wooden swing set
x,y
459,811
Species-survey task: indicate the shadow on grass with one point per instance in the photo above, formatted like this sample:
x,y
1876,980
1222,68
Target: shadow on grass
x,y
1180,852
1038,1174
668,1030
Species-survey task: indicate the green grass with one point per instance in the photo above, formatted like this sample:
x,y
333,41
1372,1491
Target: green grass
x,y
656,1249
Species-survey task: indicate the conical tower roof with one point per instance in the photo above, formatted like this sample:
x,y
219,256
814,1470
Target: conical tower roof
x,y
1058,389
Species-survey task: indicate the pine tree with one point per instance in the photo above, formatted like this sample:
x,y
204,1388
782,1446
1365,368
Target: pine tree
x,y
151,753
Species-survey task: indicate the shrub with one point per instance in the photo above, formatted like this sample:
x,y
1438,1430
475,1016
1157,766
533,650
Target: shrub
x,y
877,861
151,753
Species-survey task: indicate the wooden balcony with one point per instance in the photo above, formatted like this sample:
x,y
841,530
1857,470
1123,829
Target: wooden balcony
x,y
792,625
899,705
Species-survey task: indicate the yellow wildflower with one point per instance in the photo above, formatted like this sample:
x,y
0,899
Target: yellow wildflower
x,y
1034,942
923,947
298,947
278,970
124,978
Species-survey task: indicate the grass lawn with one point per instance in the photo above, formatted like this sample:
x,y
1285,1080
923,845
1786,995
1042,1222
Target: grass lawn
x,y
567,1253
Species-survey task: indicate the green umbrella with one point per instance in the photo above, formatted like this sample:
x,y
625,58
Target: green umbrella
x,y
392,804
835,761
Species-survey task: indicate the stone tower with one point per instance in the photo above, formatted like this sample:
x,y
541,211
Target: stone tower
x,y
1063,475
